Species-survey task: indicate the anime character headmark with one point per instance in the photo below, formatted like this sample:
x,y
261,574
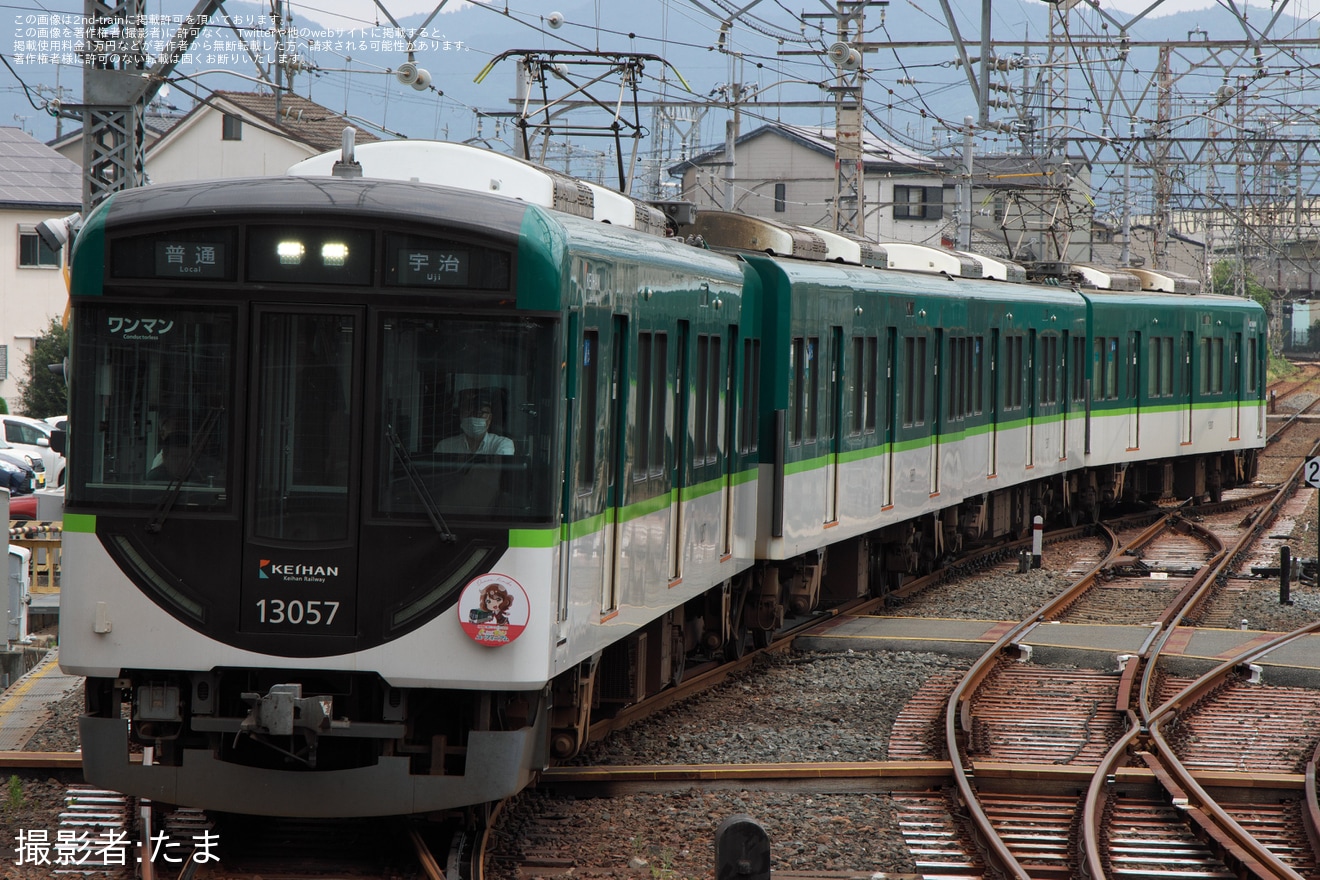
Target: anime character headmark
x,y
496,601
494,609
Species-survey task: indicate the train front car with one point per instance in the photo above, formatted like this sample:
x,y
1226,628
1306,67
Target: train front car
x,y
312,518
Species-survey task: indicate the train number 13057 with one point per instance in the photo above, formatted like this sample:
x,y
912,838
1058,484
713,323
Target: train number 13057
x,y
313,612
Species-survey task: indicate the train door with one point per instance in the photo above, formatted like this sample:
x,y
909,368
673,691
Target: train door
x,y
891,413
833,416
1255,370
302,460
616,426
1033,396
1235,383
729,408
937,416
580,455
1134,388
678,449
1188,389
991,465
1064,397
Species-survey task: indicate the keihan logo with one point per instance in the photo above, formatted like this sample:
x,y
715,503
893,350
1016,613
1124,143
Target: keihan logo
x,y
295,570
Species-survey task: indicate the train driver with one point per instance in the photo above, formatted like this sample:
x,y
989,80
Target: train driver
x,y
475,412
178,461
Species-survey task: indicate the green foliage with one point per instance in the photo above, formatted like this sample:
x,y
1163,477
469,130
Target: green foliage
x,y
1223,279
4,407
42,393
1278,368
15,798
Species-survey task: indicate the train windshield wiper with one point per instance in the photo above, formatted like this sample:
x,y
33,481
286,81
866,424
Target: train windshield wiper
x,y
171,495
419,485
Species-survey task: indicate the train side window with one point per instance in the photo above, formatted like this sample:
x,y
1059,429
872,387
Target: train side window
x,y
1212,366
1078,373
751,401
855,387
1098,368
1106,368
865,363
977,381
1049,374
588,380
1161,366
1013,372
811,390
803,386
794,383
870,382
955,378
914,381
706,411
1252,382
652,405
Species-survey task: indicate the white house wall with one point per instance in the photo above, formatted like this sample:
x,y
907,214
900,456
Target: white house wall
x,y
32,297
196,150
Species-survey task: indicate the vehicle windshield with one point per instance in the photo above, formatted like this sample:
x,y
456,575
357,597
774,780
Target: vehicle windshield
x,y
463,425
163,384
465,417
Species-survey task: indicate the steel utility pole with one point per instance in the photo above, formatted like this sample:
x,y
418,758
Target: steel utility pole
x,y
849,133
117,86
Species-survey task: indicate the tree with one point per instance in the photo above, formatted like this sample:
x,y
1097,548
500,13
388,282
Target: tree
x,y
1223,279
44,393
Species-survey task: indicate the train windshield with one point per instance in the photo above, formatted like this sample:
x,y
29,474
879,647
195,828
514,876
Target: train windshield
x,y
466,417
163,381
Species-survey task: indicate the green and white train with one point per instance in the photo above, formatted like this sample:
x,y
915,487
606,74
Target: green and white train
x,y
298,570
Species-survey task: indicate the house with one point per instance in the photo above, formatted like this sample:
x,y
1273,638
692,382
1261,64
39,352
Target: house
x,y
236,134
786,173
1022,208
36,184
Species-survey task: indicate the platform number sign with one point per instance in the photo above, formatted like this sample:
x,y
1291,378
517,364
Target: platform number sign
x,y
1311,470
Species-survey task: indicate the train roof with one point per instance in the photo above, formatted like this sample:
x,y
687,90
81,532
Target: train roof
x,y
1165,281
1210,302
1105,278
899,282
366,199
473,168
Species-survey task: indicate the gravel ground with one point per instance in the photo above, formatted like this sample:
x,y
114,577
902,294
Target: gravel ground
x,y
805,707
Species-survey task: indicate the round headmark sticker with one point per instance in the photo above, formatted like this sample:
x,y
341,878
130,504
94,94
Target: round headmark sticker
x,y
493,609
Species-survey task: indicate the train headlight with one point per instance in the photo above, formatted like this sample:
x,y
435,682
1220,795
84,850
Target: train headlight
x,y
334,253
290,252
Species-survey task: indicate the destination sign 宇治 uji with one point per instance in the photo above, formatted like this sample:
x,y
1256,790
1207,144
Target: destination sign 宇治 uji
x,y
429,267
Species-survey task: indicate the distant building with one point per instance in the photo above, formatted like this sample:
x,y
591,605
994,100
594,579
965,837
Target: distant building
x,y
786,173
235,134
36,183
1022,208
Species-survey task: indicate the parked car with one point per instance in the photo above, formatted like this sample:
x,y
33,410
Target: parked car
x,y
33,435
59,423
16,475
25,458
23,506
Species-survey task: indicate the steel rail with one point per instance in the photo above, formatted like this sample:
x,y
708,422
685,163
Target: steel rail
x,y
958,718
1237,846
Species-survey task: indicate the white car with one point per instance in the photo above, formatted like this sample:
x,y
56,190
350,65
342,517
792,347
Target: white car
x,y
33,436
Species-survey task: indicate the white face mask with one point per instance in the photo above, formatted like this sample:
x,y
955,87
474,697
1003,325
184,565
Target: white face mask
x,y
473,426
